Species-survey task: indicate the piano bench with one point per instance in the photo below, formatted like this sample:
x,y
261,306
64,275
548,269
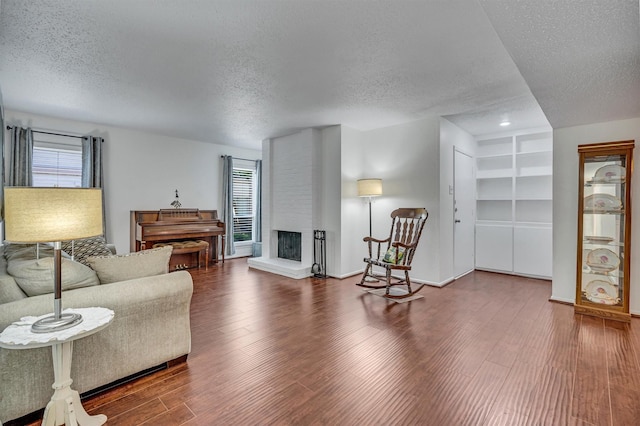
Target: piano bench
x,y
187,247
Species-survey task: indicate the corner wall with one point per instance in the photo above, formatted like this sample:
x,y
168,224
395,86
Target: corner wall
x,y
407,159
565,206
451,137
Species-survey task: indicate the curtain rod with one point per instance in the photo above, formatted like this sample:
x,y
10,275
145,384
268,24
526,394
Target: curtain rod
x,y
238,158
50,133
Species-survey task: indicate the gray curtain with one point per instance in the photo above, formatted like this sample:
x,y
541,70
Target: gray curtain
x,y
20,169
92,175
258,228
227,203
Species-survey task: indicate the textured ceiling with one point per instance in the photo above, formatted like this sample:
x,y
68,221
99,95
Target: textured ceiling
x,y
581,59
239,71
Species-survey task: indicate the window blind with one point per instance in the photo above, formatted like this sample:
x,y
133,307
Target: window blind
x,y
243,206
57,167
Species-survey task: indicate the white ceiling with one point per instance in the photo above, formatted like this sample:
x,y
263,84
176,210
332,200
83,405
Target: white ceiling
x,y
239,71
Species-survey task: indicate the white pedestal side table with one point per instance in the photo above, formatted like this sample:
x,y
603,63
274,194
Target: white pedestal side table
x,y
65,406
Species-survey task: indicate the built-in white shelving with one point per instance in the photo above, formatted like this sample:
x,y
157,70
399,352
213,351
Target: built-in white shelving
x,y
514,187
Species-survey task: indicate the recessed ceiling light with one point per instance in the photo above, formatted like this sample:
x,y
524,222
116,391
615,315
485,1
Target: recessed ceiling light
x,y
505,123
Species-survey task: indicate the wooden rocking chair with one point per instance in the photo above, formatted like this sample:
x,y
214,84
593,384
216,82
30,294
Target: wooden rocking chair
x,y
399,248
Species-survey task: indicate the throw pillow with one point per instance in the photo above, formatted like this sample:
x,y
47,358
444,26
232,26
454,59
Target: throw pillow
x,y
81,249
124,267
35,276
390,255
28,251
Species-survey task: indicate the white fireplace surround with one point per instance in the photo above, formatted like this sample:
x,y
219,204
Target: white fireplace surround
x,y
290,200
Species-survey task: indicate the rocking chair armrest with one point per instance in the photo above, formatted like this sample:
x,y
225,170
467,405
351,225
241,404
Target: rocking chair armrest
x,y
374,240
400,244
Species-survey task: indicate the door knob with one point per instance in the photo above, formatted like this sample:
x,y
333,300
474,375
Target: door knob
x,y
457,220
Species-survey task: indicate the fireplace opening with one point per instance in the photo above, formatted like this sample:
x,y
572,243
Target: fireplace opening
x,y
290,245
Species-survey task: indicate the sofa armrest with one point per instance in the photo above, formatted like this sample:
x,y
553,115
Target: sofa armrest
x,y
151,326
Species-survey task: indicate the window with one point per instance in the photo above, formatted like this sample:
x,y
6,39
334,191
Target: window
x,y
56,162
243,200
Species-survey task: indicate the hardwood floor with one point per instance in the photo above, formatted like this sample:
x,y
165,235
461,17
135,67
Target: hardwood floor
x,y
488,349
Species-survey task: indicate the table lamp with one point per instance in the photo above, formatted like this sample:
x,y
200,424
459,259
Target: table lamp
x,y
369,188
37,215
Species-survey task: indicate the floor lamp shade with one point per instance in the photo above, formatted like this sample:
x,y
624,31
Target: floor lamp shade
x,y
35,215
369,187
39,215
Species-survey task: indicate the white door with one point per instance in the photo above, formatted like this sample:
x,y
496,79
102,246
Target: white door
x,y
464,201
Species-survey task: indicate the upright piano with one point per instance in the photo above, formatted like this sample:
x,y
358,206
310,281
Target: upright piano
x,y
148,227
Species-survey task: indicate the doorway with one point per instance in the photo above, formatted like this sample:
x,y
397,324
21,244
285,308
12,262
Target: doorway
x,y
463,214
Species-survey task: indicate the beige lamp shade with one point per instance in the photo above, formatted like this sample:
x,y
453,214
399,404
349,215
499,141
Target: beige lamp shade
x,y
34,215
369,187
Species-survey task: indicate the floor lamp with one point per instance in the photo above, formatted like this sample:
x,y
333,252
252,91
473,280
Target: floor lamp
x,y
36,215
369,188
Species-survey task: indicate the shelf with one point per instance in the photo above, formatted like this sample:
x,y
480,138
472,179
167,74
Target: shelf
x,y
611,213
485,222
495,147
494,174
514,204
539,172
538,211
497,156
534,188
494,210
494,177
540,225
494,189
534,142
534,153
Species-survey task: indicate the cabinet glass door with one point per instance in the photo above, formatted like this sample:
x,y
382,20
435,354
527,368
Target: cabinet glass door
x,y
604,230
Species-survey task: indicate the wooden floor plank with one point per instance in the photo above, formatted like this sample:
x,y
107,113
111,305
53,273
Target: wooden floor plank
x,y
487,349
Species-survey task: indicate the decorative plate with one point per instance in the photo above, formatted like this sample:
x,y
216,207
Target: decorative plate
x,y
598,291
602,203
598,239
602,260
611,173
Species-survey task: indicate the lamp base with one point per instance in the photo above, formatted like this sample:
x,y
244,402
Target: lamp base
x,y
50,323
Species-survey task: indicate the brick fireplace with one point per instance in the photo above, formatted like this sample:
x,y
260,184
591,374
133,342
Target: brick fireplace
x,y
291,202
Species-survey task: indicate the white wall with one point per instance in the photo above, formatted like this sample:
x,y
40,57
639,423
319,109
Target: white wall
x,y
406,157
451,137
354,219
565,206
142,170
330,196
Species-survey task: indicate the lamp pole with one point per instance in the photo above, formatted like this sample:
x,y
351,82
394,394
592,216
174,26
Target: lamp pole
x,y
369,188
370,231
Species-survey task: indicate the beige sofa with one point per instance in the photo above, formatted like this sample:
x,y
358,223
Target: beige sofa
x,y
151,327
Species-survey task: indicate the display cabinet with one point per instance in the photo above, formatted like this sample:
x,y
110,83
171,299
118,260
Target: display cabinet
x,y
604,229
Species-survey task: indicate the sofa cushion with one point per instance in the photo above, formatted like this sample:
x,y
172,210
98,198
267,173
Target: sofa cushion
x,y
35,276
139,264
9,289
83,248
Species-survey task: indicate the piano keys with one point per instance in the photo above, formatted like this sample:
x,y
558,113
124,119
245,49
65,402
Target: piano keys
x,y
148,227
